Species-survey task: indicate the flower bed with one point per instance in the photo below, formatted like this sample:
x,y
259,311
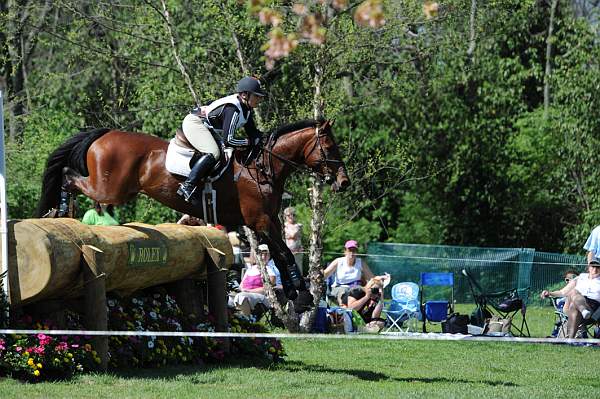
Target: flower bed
x,y
42,357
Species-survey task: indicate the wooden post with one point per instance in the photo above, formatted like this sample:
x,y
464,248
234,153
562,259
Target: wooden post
x,y
217,292
96,317
188,294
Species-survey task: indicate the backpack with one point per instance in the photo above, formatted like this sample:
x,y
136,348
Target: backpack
x,y
456,324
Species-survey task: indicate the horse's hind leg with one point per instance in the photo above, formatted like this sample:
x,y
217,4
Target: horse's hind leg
x,y
66,204
95,188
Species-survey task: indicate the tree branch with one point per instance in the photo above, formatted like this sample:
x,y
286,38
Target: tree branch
x,y
182,69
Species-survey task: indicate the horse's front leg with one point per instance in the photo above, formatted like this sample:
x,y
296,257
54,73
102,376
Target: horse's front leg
x,y
293,283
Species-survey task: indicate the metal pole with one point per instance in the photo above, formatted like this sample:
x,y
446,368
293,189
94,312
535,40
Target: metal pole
x,y
3,208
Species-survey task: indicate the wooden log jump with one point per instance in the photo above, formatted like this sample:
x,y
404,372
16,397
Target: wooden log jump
x,y
45,256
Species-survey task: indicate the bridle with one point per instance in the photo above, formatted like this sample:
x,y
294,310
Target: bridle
x,y
328,176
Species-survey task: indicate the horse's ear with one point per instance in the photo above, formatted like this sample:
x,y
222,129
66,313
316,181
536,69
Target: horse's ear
x,y
327,124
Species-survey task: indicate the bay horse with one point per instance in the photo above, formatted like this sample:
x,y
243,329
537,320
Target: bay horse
x,y
112,167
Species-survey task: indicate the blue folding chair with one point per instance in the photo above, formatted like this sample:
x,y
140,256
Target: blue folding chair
x,y
404,310
436,311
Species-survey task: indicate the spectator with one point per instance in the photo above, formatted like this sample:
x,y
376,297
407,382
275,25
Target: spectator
x,y
100,215
350,271
584,295
253,291
592,245
189,220
368,302
293,236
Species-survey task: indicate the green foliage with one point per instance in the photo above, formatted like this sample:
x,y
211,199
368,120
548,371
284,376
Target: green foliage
x,y
441,147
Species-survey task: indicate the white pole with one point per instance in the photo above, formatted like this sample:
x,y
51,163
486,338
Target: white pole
x,y
3,227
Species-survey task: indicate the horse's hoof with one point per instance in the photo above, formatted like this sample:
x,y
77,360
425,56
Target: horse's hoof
x,y
304,301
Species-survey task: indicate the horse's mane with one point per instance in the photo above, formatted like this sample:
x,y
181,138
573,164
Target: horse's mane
x,y
294,126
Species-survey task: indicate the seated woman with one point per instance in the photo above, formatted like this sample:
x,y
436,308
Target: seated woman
x,y
367,301
253,291
350,271
583,293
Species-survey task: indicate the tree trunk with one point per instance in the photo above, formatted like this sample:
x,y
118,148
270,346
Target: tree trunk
x,y
548,70
289,318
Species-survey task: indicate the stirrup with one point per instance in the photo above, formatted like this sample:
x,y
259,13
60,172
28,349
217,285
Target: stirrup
x,y
187,195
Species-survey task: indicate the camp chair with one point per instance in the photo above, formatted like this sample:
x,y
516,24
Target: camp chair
x,y
505,304
589,328
403,308
436,311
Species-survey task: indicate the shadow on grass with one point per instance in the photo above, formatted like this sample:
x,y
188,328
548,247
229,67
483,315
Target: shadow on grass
x,y
173,372
366,375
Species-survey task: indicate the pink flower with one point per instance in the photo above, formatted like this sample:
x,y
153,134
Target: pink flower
x,y
18,349
44,339
62,346
38,349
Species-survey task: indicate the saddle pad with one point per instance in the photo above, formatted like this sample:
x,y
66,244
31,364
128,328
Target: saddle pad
x,y
178,159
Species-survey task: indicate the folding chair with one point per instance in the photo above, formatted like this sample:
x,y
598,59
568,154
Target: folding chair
x,y
505,304
436,311
589,328
404,308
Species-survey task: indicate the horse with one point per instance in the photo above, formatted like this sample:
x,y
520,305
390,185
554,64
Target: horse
x,y
113,166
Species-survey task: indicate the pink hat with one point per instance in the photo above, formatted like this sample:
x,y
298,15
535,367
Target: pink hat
x,y
351,244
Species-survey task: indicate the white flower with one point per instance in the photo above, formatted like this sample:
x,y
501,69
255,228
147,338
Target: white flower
x,y
150,344
111,303
153,315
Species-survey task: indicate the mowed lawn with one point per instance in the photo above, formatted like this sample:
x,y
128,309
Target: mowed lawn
x,y
357,369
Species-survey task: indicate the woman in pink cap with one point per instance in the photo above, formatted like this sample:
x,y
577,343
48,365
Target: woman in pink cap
x,y
350,271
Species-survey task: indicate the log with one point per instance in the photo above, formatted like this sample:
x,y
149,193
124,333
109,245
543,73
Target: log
x,y
44,256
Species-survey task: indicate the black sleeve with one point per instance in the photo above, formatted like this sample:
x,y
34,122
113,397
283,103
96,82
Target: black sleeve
x,y
251,129
230,118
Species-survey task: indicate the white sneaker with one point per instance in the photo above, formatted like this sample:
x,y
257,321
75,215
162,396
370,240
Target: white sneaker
x,y
586,314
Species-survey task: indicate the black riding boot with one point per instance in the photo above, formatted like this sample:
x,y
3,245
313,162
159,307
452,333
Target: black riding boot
x,y
203,166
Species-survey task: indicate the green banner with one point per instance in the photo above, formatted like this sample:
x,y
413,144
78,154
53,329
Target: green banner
x,y
147,253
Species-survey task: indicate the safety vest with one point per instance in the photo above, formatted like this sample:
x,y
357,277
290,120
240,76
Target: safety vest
x,y
214,112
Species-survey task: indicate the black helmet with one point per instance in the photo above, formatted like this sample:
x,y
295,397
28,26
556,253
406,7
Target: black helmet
x,y
251,85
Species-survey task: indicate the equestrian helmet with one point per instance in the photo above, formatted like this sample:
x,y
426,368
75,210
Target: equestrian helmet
x,y
251,85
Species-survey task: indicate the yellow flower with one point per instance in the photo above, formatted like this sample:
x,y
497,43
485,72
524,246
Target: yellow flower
x,y
26,354
39,365
69,355
30,362
36,373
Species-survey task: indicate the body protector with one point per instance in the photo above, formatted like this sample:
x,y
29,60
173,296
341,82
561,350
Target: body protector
x,y
213,118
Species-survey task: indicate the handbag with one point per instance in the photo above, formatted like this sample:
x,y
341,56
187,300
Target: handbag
x,y
511,303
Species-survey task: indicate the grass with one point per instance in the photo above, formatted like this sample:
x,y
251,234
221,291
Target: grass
x,y
362,368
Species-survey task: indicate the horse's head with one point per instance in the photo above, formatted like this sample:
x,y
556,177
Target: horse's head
x,y
322,155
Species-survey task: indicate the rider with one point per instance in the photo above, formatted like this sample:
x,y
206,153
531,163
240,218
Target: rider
x,y
224,117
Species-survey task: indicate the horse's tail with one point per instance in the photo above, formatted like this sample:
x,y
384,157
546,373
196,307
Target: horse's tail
x,y
71,153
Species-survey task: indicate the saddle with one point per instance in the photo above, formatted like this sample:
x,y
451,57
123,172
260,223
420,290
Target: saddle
x,y
207,197
220,166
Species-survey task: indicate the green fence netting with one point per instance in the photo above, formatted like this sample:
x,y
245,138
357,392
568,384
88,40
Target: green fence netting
x,y
495,269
